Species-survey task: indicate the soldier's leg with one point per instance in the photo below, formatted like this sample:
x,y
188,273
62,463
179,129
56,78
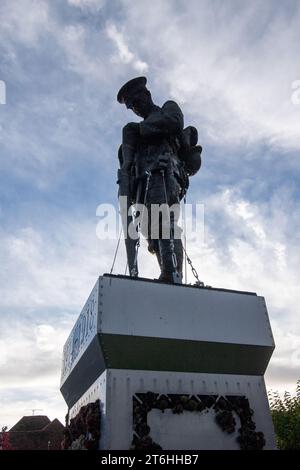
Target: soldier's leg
x,y
162,232
152,231
171,253
174,247
149,229
159,228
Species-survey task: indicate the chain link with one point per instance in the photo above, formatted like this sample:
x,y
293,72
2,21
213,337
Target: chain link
x,y
173,254
116,251
195,274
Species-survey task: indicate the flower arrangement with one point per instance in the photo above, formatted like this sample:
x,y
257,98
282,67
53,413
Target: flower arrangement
x,y
83,432
224,407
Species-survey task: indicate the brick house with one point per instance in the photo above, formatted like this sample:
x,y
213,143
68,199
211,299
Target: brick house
x,y
36,433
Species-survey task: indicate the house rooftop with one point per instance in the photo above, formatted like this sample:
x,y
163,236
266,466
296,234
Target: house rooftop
x,y
31,423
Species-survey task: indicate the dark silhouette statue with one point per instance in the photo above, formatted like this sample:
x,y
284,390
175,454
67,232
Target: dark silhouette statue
x,y
156,157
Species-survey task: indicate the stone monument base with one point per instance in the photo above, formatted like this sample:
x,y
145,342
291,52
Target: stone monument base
x,y
174,367
196,424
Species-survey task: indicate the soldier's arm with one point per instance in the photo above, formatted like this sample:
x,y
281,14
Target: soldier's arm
x,y
166,121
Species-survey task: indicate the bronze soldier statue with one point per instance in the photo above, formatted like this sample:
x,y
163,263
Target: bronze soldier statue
x,y
156,157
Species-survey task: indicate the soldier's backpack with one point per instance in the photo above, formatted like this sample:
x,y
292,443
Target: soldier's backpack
x,y
190,152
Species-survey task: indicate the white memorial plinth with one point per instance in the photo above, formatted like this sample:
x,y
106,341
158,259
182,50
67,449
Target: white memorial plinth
x,y
135,336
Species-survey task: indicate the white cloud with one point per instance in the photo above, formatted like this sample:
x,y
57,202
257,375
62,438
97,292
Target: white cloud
x,y
258,244
233,69
93,5
16,402
48,122
40,271
33,351
73,39
45,281
30,367
124,54
46,338
25,21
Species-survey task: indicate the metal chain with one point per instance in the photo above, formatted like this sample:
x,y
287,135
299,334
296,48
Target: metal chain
x,y
198,282
173,254
116,251
184,237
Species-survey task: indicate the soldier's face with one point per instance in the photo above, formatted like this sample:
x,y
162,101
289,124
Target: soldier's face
x,y
140,103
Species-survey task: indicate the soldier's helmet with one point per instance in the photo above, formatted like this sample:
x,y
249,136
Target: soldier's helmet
x,y
131,88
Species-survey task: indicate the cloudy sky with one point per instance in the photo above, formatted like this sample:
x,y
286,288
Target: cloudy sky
x,y
233,67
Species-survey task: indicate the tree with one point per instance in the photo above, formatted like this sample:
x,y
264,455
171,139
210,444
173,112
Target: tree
x,y
286,418
4,439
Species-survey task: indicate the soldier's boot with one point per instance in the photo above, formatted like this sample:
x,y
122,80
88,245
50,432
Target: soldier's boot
x,y
153,248
170,273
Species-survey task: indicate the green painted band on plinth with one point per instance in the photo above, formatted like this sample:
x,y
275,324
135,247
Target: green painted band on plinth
x,y
161,354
